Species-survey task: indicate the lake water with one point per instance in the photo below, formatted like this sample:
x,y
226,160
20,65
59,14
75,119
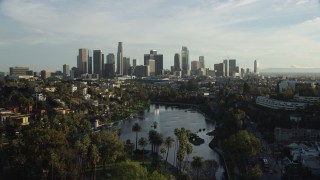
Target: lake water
x,y
168,118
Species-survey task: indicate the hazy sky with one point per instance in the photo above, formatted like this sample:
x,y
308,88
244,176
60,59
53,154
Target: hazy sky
x,y
45,34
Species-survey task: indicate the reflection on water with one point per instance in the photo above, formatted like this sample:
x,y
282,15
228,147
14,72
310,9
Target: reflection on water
x,y
167,120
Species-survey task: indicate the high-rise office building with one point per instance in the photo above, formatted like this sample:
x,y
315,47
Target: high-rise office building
x,y
226,67
126,65
45,74
19,71
201,62
256,66
158,58
194,67
242,72
219,69
185,61
177,62
102,64
120,59
135,62
82,60
142,71
109,70
66,70
110,58
232,67
97,62
152,65
90,65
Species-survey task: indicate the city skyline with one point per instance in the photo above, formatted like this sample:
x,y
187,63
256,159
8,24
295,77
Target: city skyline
x,y
44,35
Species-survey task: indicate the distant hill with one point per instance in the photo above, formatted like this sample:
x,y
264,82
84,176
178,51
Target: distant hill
x,y
290,70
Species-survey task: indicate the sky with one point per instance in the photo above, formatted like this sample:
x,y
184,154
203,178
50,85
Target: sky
x,y
45,34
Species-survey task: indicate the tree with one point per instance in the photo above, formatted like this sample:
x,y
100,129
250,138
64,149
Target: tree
x,y
131,170
143,142
136,128
158,141
169,143
243,145
163,151
183,136
111,147
246,88
82,147
129,147
255,172
94,159
198,164
155,175
152,139
189,150
45,150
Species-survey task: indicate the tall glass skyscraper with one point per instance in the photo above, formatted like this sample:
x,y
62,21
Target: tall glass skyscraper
x,y
232,67
201,62
97,62
256,67
120,59
177,62
185,61
226,67
110,58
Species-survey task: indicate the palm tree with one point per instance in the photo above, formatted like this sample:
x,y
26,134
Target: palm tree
x,y
163,151
198,164
155,124
143,143
152,137
136,128
94,158
177,134
189,150
169,142
158,141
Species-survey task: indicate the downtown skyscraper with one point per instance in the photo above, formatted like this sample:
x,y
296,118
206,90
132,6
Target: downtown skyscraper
x,y
120,59
66,70
177,62
110,58
226,67
82,60
256,67
232,67
201,62
185,61
158,58
98,62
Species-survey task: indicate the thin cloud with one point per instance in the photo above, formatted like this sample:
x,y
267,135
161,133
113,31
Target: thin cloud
x,y
243,29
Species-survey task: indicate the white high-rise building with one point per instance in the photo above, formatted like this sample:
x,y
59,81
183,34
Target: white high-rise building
x,y
151,63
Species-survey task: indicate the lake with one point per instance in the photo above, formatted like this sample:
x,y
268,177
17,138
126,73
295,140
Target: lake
x,y
168,118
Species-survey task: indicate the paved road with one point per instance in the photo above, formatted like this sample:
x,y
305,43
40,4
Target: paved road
x,y
274,172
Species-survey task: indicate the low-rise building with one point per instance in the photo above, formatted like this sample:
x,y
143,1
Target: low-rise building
x,y
19,119
265,101
39,96
284,136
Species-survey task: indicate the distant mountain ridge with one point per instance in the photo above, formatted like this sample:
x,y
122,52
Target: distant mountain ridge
x,y
290,70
